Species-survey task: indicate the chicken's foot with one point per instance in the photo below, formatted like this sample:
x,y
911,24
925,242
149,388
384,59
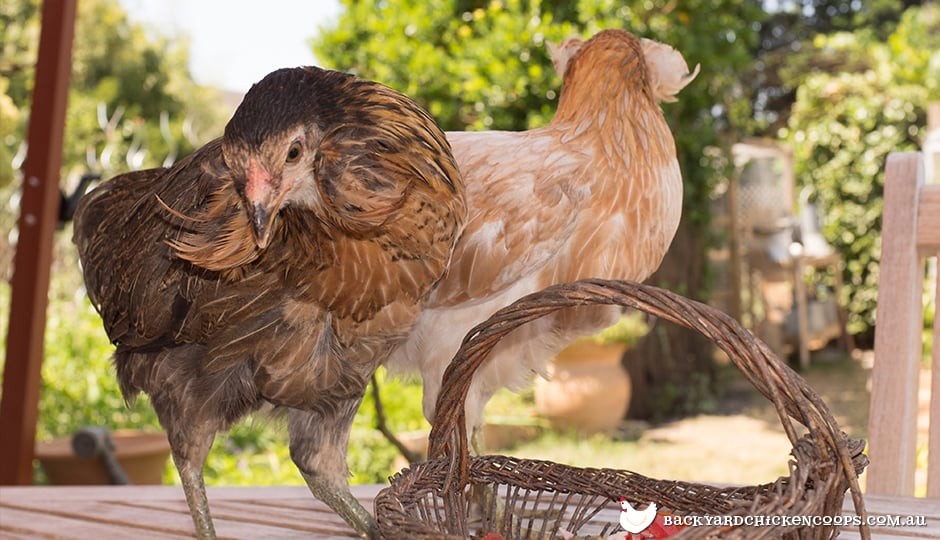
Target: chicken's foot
x,y
343,503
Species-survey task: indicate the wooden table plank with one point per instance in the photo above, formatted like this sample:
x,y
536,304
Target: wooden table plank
x,y
310,518
12,535
899,505
888,534
115,520
45,524
121,493
885,507
161,512
272,512
315,519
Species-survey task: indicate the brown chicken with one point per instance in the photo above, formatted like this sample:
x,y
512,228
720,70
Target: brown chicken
x,y
278,264
596,193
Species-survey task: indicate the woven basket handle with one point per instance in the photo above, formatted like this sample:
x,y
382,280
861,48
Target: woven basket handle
x,y
790,394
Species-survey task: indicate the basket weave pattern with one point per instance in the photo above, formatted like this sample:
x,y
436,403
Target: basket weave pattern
x,y
446,497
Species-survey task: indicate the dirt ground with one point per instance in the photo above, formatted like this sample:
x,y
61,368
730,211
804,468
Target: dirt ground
x,y
753,433
842,381
741,442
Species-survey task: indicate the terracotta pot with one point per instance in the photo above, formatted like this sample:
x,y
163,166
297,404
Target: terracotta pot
x,y
498,436
589,390
142,456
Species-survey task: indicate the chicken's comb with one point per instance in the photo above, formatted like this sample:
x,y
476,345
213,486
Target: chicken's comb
x,y
562,53
669,72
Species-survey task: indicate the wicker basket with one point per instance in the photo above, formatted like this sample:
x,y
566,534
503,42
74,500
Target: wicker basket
x,y
454,495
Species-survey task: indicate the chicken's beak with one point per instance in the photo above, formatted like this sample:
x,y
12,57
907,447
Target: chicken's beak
x,y
261,203
260,224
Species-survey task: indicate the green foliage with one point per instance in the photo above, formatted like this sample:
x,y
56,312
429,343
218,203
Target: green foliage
x,y
19,34
79,385
480,68
372,459
253,453
843,126
914,49
116,68
788,30
629,329
930,301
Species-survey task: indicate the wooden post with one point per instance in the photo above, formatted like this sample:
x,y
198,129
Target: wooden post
x,y
802,308
39,210
736,256
933,435
930,225
893,411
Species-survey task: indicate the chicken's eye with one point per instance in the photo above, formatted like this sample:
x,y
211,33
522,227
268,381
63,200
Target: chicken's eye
x,y
293,153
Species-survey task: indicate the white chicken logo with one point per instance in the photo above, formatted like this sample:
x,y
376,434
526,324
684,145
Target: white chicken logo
x,y
633,520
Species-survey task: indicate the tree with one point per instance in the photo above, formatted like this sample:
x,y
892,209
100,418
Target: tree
x,y
132,102
483,65
843,125
19,39
116,66
787,34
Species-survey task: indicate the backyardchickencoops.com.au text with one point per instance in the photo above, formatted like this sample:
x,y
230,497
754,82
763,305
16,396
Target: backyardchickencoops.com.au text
x,y
795,521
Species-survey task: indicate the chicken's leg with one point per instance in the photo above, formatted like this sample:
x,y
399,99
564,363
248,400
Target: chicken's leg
x,y
318,443
190,458
486,507
486,504
477,441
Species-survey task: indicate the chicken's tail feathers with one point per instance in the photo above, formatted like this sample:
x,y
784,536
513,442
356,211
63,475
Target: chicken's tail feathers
x,y
669,73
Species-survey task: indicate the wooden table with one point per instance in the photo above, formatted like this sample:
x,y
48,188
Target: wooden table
x,y
264,512
156,512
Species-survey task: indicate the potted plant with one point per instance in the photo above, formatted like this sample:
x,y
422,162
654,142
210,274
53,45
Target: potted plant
x,y
588,389
141,457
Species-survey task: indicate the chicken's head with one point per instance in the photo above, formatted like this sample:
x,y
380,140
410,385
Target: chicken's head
x,y
270,144
347,149
327,152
